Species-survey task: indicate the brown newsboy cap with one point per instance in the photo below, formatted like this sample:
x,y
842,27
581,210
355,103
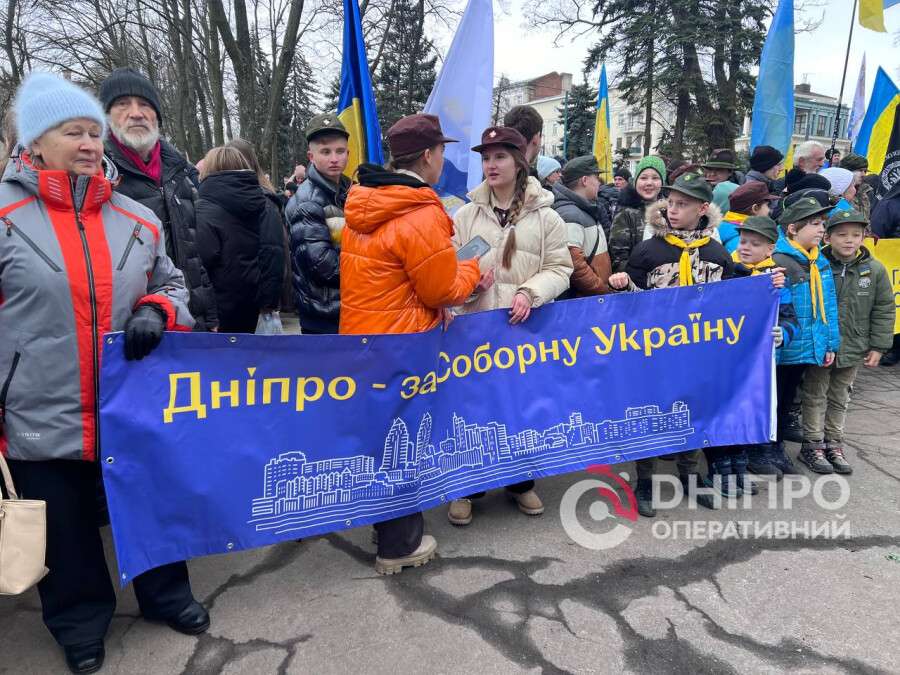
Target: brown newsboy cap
x,y
414,133
502,136
750,193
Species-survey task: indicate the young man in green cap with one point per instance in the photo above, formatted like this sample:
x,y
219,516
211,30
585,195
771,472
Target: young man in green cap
x,y
681,252
866,310
815,303
316,217
719,167
575,200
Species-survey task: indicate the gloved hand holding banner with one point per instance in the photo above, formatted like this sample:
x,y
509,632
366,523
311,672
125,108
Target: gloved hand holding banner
x,y
217,442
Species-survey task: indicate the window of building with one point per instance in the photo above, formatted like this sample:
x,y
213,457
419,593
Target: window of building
x,y
821,125
619,143
800,122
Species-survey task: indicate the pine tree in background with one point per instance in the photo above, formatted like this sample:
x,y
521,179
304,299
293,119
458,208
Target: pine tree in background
x,y
407,70
577,116
299,103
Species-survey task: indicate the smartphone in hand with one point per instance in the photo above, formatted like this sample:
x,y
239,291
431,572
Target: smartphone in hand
x,y
476,248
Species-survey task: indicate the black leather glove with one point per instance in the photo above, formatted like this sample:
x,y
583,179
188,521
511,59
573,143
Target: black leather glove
x,y
144,331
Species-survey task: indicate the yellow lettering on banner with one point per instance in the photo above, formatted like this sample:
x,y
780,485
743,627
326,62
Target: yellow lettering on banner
x,y
650,343
887,252
507,352
195,405
429,383
350,388
457,372
216,394
251,387
481,359
678,335
545,351
413,383
626,340
304,396
571,350
443,356
708,330
285,389
524,361
735,329
607,342
695,320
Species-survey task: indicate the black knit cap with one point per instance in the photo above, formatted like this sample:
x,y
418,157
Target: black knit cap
x,y
764,157
797,179
128,82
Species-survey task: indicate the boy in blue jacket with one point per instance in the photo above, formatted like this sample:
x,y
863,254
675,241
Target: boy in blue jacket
x,y
813,296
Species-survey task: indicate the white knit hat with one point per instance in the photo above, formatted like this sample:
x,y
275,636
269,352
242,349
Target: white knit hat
x,y
44,101
840,179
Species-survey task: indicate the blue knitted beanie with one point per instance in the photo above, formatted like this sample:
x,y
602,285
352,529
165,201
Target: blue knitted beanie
x,y
44,101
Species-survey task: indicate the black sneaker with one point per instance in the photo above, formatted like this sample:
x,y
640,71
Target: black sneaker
x,y
643,493
781,459
761,461
707,501
793,429
834,453
813,455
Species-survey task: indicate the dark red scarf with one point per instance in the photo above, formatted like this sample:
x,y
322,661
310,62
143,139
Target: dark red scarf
x,y
152,168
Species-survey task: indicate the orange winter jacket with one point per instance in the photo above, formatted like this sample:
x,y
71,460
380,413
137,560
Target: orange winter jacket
x,y
398,265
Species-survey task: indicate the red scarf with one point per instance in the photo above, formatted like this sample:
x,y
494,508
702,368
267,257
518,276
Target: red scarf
x,y
152,169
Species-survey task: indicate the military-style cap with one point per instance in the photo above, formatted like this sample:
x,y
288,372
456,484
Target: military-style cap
x,y
326,123
414,133
586,165
693,185
805,204
762,225
845,216
722,158
502,136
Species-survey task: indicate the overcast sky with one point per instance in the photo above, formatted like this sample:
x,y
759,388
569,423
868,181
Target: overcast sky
x,y
819,55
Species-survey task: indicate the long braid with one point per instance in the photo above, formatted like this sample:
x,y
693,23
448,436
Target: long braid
x,y
515,208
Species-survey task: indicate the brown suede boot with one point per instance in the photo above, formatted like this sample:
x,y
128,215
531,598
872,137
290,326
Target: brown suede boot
x,y
417,558
460,512
529,503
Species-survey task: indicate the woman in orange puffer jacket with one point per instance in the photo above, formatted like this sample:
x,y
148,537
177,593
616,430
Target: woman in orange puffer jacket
x,y
399,274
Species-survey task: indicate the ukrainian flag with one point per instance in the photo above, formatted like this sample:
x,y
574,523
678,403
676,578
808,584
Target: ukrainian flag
x,y
875,131
602,145
356,104
871,13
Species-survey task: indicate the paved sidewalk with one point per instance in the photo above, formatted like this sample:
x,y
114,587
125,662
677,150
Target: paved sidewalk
x,y
512,594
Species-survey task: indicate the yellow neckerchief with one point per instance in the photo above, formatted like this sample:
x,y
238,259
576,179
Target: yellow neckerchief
x,y
755,268
685,276
815,279
733,217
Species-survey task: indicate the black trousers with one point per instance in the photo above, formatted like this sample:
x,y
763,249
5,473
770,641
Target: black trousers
x,y
399,537
77,596
787,382
515,488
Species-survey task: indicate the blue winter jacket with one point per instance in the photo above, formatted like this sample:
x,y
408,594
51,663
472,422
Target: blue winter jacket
x,y
814,337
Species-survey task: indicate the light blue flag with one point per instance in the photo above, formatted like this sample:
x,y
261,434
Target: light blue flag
x,y
773,105
859,104
461,98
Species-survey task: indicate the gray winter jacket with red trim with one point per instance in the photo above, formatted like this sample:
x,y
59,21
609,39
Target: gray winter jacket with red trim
x,y
76,259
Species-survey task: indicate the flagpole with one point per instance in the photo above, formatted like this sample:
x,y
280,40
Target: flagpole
x,y
837,115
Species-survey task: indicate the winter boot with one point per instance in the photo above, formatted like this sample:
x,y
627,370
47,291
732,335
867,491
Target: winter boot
x,y
421,556
722,479
834,453
761,460
643,493
528,502
813,455
793,429
704,500
460,512
781,459
739,467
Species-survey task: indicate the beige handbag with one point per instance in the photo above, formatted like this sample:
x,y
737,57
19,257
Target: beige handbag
x,y
23,539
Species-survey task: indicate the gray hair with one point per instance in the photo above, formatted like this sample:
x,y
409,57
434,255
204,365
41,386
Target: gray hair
x,y
806,148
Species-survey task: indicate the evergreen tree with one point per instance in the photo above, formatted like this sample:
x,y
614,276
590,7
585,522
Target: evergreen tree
x,y
577,115
407,70
299,106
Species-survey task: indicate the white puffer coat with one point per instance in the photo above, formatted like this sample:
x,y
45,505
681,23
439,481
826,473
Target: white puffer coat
x,y
541,265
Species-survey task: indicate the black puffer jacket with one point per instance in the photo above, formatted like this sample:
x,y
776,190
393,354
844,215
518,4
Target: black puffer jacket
x,y
173,203
314,212
240,238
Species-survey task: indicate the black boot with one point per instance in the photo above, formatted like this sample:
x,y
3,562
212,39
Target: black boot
x,y
704,500
192,620
761,460
793,430
643,493
781,459
740,463
86,657
722,479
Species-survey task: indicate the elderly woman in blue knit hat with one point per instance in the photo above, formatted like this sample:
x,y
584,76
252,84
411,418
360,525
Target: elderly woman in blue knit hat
x,y
77,261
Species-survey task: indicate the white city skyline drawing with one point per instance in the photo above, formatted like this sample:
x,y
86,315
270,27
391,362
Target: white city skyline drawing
x,y
299,493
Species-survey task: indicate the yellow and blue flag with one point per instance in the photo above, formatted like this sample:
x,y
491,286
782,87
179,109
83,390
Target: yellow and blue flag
x,y
773,104
871,13
356,104
875,131
602,145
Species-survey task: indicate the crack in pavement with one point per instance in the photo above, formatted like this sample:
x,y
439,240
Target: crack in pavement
x,y
610,591
212,654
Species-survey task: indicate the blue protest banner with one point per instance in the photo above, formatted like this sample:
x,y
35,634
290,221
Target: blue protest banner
x,y
217,443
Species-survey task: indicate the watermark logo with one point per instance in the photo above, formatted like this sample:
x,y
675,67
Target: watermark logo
x,y
599,510
616,518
